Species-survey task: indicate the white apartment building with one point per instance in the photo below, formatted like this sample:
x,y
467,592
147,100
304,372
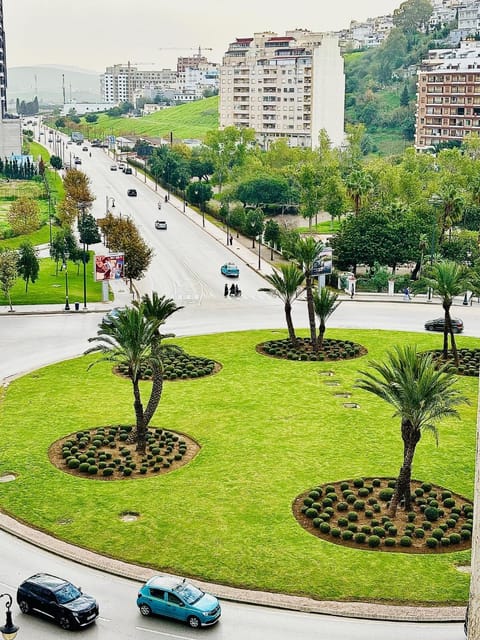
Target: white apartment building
x,y
120,82
198,79
290,86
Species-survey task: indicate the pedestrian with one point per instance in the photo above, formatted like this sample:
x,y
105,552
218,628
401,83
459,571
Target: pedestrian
x,y
406,294
231,240
236,290
225,293
232,290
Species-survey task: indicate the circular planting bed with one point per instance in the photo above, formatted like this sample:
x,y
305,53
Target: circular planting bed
x,y
331,350
180,366
355,513
108,453
469,360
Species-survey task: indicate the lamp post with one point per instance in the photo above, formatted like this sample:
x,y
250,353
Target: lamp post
x,y
8,630
65,256
82,207
107,202
259,238
435,200
469,264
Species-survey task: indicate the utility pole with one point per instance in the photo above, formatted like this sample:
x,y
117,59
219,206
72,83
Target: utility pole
x,y
473,627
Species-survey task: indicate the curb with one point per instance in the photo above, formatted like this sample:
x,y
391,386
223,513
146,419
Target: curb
x,y
362,610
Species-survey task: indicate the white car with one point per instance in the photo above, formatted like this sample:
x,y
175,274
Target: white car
x,y
113,167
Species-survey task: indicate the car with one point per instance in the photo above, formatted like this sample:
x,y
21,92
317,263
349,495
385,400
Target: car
x,y
112,315
132,193
57,599
176,598
121,166
128,171
77,161
84,148
438,324
160,224
230,270
113,167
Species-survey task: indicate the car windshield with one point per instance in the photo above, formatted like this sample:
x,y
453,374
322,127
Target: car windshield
x,y
188,593
67,593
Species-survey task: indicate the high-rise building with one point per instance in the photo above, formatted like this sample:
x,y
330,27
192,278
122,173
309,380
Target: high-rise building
x,y
3,66
290,86
10,127
448,95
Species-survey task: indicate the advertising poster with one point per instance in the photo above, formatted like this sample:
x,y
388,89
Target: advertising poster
x,y
323,264
109,267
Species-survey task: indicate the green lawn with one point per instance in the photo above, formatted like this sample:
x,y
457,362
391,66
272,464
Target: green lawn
x,y
50,286
268,430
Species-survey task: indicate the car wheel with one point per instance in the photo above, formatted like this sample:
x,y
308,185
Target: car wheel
x,y
65,622
24,606
429,328
145,610
193,622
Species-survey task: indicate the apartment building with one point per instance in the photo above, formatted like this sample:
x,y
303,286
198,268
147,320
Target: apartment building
x,y
448,95
120,82
10,126
290,86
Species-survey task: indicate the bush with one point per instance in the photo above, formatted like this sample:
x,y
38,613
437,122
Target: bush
x,y
448,503
316,522
378,531
351,498
411,516
127,471
445,542
92,469
352,527
437,534
431,543
347,535
359,505
342,506
352,516
376,482
455,538
373,541
335,532
360,537
405,541
310,513
324,527
419,533
431,513
390,542
358,482
392,530
342,522
83,466
73,463
107,472
363,492
386,494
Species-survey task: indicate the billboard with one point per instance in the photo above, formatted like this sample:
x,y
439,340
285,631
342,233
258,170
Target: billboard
x,y
109,267
322,266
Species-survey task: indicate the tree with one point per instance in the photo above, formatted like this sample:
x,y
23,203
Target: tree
x,y
325,304
421,393
263,190
199,193
88,229
404,97
56,162
8,272
24,216
286,284
305,253
127,339
226,148
448,279
28,265
271,235
359,184
91,117
253,224
412,15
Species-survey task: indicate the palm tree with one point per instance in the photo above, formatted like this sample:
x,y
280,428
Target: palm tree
x,y
325,304
286,285
127,339
358,184
448,279
452,205
422,247
421,394
157,309
305,252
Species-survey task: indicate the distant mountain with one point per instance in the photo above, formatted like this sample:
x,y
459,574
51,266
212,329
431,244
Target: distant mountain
x,y
45,81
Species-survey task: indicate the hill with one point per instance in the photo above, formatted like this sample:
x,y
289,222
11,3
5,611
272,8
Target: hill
x,y
46,81
191,120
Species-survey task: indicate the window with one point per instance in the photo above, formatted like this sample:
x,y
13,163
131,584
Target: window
x,y
157,593
171,597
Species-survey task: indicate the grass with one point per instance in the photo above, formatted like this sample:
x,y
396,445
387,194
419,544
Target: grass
x,y
50,286
325,227
269,429
191,120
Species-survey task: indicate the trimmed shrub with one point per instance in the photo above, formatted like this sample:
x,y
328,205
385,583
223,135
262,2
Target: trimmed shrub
x,y
73,463
342,506
92,469
342,522
437,534
445,542
411,515
352,527
386,494
324,527
373,541
352,516
363,492
358,482
389,542
351,498
317,522
455,538
419,533
360,537
310,513
347,535
108,471
335,532
431,543
379,531
431,513
405,541
359,505
366,529
448,503
83,466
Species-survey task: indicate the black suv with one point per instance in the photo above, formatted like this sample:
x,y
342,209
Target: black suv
x,y
131,192
57,599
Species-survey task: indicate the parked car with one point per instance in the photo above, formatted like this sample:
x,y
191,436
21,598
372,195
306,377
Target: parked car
x,y
58,600
175,598
77,161
128,171
112,315
160,224
84,148
132,192
230,270
438,324
113,167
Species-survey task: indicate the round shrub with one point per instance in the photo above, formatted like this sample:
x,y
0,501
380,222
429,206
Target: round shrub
x,y
344,486
127,471
451,522
378,531
419,532
317,506
351,498
352,527
83,466
376,482
327,502
363,492
92,469
335,532
426,487
324,527
329,510
373,541
342,522
358,482
392,484
342,506
372,501
437,534
316,522
465,534
73,463
352,516
446,494
366,529
107,472
405,541
368,513
426,525
431,543
392,530
311,513
445,542
313,494
448,503
143,470
431,514
332,496
386,494
347,535
347,492
455,538
102,465
360,537
329,489
389,542
411,515
419,492
359,505
433,503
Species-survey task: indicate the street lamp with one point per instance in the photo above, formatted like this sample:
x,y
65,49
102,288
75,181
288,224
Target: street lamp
x,y
259,238
65,257
107,202
8,630
435,200
82,207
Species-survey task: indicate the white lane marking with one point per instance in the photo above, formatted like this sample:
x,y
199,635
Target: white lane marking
x,y
163,633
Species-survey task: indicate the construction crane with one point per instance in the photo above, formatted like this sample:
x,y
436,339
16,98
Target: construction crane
x,y
199,54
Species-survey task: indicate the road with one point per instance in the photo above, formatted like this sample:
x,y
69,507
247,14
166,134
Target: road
x,y
186,267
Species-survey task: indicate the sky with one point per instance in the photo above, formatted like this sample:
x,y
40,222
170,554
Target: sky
x,y
94,34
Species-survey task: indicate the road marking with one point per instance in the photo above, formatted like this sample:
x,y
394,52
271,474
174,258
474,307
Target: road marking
x,y
163,633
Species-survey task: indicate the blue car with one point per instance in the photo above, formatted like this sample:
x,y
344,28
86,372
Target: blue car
x,y
176,598
230,270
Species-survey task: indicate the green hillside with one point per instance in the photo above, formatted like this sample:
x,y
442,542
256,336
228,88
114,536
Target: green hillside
x,y
191,120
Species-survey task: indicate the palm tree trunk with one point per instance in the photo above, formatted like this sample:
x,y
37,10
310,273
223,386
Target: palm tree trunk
x,y
155,395
321,333
448,326
140,423
311,311
446,331
402,490
291,330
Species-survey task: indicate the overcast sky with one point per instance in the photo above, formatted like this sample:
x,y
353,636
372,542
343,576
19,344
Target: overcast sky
x,y
93,34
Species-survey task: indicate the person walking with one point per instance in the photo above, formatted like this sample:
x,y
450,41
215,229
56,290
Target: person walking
x,y
225,293
232,290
